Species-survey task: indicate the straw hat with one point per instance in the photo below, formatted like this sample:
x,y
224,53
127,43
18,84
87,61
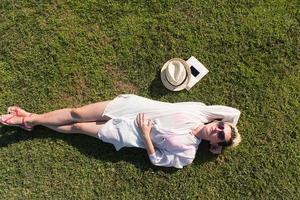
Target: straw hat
x,y
175,74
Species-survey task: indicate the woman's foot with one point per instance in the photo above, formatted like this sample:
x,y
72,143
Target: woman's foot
x,y
13,120
15,110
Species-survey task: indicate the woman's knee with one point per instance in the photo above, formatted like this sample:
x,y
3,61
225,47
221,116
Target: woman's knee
x,y
76,114
77,127
89,129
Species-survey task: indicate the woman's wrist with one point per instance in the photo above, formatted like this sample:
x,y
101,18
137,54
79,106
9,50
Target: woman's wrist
x,y
146,134
148,144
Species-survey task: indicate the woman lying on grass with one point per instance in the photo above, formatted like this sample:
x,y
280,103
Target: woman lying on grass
x,y
170,132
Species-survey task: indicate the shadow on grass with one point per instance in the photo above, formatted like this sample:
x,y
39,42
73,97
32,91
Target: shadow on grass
x,y
156,88
95,148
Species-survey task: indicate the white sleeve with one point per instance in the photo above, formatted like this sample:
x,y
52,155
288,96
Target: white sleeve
x,y
164,158
227,114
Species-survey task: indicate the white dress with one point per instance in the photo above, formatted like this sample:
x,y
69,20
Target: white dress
x,y
171,133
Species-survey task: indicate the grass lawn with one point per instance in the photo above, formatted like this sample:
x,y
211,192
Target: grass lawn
x,y
56,54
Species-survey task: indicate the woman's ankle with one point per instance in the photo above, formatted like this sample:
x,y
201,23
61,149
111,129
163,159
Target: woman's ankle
x,y
32,120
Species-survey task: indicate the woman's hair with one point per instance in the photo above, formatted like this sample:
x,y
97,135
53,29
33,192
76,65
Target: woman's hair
x,y
235,138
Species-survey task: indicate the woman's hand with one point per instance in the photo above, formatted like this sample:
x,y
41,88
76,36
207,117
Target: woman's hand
x,y
215,149
144,124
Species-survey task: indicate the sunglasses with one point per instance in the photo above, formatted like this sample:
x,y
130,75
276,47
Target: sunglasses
x,y
221,134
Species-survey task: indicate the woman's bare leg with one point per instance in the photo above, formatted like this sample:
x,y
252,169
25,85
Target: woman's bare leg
x,y
88,113
86,128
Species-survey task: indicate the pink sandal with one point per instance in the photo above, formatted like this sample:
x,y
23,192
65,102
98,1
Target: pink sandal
x,y
23,125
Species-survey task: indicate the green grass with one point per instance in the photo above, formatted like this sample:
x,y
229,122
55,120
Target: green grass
x,y
56,54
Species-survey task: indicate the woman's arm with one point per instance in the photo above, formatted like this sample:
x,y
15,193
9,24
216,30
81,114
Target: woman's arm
x,y
149,145
227,114
145,126
157,156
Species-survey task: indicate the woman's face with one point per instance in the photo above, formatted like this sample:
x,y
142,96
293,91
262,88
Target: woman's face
x,y
217,131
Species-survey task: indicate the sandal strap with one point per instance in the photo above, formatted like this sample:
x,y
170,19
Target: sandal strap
x,y
24,124
16,109
6,120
